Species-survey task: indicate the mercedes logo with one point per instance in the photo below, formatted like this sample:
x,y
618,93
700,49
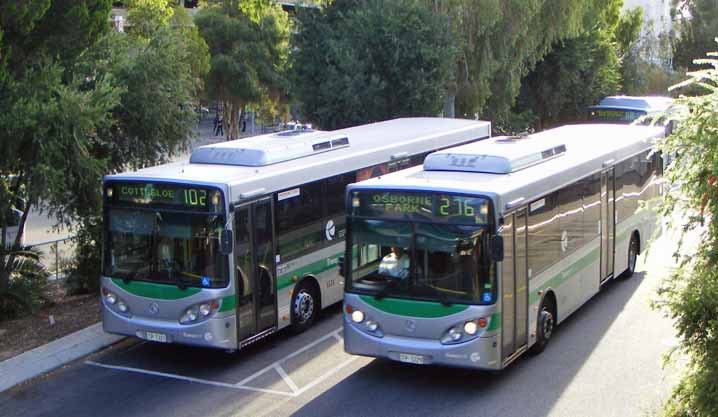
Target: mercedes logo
x,y
410,325
154,309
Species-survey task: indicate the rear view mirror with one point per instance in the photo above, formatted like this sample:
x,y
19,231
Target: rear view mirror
x,y
496,248
225,242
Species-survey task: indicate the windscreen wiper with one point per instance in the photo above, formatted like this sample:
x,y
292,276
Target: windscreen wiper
x,y
441,295
388,287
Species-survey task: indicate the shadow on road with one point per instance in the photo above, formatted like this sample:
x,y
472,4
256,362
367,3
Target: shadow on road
x,y
529,387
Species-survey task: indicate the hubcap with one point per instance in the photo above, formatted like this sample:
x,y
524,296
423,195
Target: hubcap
x,y
547,325
303,306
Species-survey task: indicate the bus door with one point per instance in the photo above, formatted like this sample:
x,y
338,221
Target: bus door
x,y
608,223
255,269
514,287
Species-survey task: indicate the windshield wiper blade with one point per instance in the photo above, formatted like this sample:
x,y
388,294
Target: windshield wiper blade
x,y
130,276
441,295
388,287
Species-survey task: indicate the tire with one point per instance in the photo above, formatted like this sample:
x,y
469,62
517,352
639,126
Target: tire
x,y
545,326
632,257
304,307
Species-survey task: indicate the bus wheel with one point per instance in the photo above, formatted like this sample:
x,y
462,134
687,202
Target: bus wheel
x,y
632,257
305,304
544,327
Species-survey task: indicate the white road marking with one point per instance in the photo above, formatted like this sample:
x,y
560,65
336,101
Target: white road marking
x,y
242,385
325,375
187,378
291,355
286,378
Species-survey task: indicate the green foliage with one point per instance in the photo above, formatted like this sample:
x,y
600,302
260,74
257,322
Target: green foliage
x,y
578,71
248,43
501,40
148,16
87,265
696,27
27,278
361,61
690,294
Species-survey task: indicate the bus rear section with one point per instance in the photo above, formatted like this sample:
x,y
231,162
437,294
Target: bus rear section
x,y
421,286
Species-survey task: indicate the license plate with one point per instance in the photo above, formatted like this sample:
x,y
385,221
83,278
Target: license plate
x,y
156,337
409,358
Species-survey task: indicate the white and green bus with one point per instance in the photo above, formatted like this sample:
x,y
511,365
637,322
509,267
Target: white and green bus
x,y
243,239
473,258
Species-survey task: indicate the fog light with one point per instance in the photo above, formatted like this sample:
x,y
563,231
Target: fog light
x,y
357,316
208,337
371,325
122,307
470,328
454,334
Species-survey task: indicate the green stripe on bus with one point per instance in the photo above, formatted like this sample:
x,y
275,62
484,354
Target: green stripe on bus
x,y
413,308
155,290
494,323
228,303
315,268
562,276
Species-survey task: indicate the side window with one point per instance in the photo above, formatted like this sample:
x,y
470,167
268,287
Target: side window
x,y
591,207
336,187
571,217
299,211
544,235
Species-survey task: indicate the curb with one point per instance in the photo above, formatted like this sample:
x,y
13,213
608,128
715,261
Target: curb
x,y
53,355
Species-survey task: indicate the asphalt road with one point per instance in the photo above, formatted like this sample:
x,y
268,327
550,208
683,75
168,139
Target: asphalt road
x,y
605,360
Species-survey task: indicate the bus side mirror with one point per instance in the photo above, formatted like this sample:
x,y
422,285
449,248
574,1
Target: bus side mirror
x,y
497,248
225,242
341,266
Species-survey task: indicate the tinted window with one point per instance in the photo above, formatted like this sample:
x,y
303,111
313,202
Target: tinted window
x,y
571,217
298,215
544,234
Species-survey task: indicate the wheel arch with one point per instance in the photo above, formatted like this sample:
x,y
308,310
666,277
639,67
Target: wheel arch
x,y
312,281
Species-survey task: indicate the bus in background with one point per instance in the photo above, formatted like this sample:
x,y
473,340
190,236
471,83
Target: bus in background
x,y
628,109
474,258
243,239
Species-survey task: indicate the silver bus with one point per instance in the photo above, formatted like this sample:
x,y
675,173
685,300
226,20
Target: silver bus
x,y
243,239
473,258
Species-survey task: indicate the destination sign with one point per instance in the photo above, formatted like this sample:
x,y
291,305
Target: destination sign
x,y
616,115
178,196
442,208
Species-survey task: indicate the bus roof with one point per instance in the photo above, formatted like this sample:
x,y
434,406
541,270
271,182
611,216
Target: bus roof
x,y
494,167
268,163
647,104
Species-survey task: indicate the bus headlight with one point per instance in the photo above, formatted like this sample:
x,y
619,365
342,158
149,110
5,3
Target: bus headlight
x,y
199,312
122,307
357,316
463,332
470,328
115,303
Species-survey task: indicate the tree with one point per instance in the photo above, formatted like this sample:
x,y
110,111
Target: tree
x,y
248,43
500,41
581,70
363,61
696,26
159,78
48,121
690,294
148,16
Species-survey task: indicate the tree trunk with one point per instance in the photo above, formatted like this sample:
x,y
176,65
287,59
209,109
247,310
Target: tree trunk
x,y
449,105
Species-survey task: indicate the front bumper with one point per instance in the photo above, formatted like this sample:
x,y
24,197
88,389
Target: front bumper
x,y
480,353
